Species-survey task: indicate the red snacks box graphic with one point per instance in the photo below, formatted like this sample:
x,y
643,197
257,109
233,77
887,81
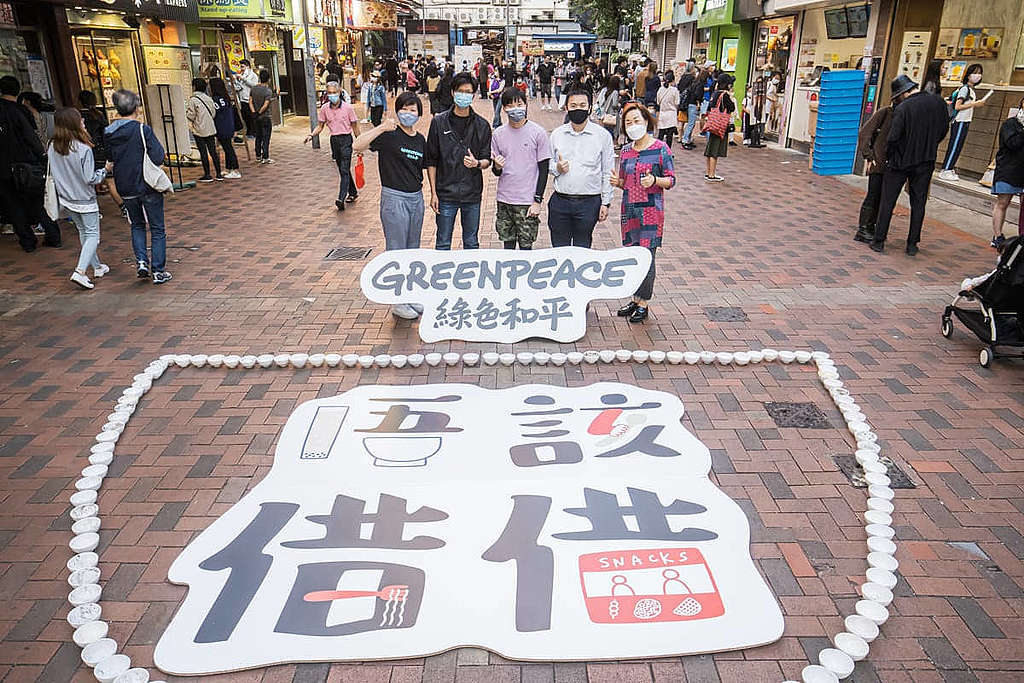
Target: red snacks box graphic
x,y
653,585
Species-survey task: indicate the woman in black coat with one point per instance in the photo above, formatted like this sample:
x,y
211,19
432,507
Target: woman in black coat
x,y
1009,176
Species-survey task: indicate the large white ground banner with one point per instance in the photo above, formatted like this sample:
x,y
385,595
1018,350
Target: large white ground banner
x,y
495,295
539,522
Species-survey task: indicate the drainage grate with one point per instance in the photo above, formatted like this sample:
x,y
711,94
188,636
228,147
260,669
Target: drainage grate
x,y
804,415
849,466
347,254
726,314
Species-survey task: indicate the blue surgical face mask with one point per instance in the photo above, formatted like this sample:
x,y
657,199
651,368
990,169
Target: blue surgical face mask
x,y
408,119
516,114
334,98
463,99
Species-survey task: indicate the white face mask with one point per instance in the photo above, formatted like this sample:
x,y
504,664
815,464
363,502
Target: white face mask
x,y
637,131
975,78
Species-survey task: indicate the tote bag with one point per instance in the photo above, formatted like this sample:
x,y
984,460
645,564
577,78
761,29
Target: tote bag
x,y
50,203
151,173
718,119
359,174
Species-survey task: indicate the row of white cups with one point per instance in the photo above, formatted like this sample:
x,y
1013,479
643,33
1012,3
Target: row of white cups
x,y
834,663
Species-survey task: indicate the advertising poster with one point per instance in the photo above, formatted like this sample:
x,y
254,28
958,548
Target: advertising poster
x,y
980,43
730,50
913,55
371,15
234,50
167,65
260,37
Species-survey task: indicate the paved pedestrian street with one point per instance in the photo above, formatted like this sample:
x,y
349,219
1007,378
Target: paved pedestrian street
x,y
764,260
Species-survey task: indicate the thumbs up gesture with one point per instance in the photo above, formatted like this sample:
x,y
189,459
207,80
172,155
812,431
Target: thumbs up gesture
x,y
470,161
562,166
388,124
498,161
647,180
614,179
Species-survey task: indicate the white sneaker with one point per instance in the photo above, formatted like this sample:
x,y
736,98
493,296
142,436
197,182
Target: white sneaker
x,y
100,270
233,174
948,175
81,280
404,311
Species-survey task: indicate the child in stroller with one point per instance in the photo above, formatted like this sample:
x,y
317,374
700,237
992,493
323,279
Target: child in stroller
x,y
999,319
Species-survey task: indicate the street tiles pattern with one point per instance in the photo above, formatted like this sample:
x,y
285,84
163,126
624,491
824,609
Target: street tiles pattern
x,y
773,240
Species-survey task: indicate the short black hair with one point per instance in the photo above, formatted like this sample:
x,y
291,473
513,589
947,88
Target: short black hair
x,y
970,70
244,62
581,91
405,99
725,81
264,76
199,84
512,95
9,85
33,98
461,80
86,99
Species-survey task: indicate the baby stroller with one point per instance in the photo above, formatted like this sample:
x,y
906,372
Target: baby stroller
x,y
999,319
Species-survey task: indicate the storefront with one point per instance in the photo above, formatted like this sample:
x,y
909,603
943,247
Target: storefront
x,y
830,38
729,44
24,50
684,21
774,63
362,17
663,36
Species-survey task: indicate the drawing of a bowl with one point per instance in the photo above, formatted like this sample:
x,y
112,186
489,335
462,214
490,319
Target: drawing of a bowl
x,y
401,451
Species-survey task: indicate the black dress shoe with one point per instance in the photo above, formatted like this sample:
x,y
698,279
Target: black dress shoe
x,y
340,204
864,234
912,249
627,309
639,315
878,246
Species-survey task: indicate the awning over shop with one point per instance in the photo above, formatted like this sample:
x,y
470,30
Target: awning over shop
x,y
571,38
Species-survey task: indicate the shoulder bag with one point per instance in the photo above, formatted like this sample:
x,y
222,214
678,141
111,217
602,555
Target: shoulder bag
x,y
718,119
50,203
154,176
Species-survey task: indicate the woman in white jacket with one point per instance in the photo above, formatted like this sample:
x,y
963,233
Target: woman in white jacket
x,y
200,110
71,166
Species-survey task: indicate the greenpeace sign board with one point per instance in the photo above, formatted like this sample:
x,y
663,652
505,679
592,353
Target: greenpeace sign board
x,y
498,295
539,522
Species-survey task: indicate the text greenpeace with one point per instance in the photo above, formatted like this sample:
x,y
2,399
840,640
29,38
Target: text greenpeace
x,y
540,522
504,296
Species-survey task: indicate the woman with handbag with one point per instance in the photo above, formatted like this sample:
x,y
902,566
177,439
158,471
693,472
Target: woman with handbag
x,y
719,121
611,107
227,120
71,185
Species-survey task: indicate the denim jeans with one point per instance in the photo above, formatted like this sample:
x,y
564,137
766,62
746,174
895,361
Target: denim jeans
x,y
691,121
88,225
497,113
263,128
446,224
148,207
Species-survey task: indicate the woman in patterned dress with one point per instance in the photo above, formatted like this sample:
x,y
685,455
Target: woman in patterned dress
x,y
645,173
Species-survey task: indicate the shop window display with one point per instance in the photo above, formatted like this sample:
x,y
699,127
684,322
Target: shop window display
x,y
771,65
106,63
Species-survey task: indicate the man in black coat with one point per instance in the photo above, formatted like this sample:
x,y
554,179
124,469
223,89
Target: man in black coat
x,y
22,159
919,123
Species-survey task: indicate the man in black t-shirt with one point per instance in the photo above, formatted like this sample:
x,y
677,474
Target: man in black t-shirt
x,y
545,72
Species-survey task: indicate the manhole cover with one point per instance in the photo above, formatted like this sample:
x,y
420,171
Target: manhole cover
x,y
726,314
804,415
347,254
849,466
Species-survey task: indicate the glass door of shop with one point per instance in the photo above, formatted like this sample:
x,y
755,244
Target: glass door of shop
x,y
285,84
107,61
772,50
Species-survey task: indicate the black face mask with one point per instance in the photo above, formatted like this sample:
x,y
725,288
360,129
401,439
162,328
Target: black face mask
x,y
578,116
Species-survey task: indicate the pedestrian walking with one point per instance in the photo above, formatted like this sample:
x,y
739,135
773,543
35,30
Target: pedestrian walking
x,y
668,109
965,101
341,120
694,108
74,173
259,106
226,121
378,98
42,122
245,80
1009,174
200,112
645,173
559,83
400,162
95,120
521,153
584,160
545,75
22,171
494,90
919,124
128,142
458,151
722,108
872,142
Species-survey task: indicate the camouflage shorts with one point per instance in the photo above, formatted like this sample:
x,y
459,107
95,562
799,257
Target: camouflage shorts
x,y
514,223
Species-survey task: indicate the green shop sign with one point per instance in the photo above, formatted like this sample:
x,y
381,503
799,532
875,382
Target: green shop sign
x,y
246,9
712,13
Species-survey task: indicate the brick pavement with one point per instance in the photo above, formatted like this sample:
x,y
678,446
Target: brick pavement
x,y
773,240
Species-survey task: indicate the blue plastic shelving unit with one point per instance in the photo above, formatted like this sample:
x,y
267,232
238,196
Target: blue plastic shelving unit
x,y
839,104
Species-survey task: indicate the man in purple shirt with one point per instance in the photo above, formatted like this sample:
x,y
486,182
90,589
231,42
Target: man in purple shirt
x,y
521,153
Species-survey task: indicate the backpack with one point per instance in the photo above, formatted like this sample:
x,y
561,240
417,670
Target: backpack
x,y
951,102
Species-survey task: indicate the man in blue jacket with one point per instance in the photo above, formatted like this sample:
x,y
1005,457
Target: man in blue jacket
x,y
125,149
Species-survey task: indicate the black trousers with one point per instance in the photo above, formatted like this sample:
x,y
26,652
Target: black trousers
x,y
23,212
207,149
918,178
230,157
264,126
869,207
646,289
376,115
571,219
341,150
665,135
247,118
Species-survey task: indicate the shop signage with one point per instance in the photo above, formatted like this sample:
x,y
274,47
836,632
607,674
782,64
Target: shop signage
x,y
246,9
502,296
316,38
648,16
371,15
540,522
176,10
555,46
260,37
6,15
715,13
430,26
324,12
531,47
664,14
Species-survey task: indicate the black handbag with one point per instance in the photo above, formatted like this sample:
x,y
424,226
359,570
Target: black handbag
x,y
29,177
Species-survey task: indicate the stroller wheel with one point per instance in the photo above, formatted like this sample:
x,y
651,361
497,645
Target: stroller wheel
x,y
986,356
947,327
